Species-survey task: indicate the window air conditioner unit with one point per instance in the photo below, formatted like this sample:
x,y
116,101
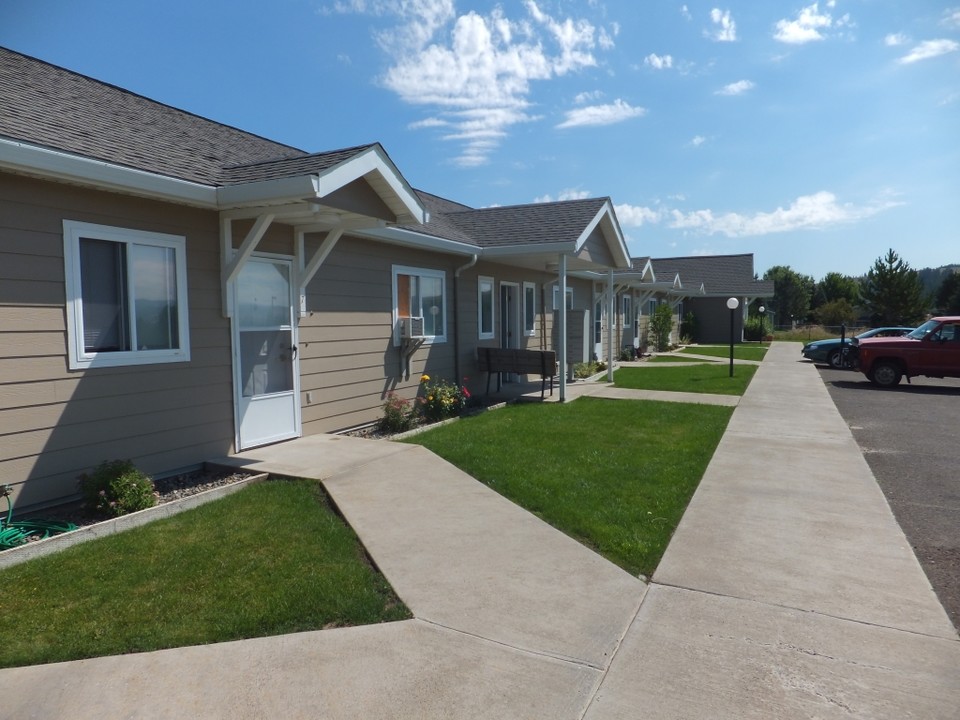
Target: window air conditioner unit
x,y
411,328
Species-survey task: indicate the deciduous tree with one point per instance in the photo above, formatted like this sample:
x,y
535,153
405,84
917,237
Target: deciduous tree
x,y
791,293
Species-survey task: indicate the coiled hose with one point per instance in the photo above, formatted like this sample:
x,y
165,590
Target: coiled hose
x,y
17,533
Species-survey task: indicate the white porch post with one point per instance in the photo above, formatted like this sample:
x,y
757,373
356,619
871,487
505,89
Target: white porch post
x,y
610,311
563,328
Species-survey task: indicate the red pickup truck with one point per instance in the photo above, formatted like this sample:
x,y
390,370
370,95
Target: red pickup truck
x,y
932,350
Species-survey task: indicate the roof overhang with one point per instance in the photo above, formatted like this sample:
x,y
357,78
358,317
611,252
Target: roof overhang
x,y
606,220
302,193
48,164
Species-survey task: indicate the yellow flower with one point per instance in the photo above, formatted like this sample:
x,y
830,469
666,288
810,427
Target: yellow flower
x,y
424,378
430,398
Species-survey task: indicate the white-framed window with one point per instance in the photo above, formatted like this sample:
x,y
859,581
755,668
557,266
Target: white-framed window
x,y
556,298
651,307
485,307
598,322
126,296
529,309
627,310
420,292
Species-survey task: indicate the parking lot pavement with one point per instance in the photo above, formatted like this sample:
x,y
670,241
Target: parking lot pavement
x,y
908,436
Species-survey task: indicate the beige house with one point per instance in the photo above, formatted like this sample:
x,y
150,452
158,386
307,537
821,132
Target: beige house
x,y
173,289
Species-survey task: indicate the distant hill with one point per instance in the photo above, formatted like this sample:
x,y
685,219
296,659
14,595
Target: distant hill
x,y
932,277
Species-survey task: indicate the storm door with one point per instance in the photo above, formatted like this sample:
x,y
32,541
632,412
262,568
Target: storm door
x,y
266,368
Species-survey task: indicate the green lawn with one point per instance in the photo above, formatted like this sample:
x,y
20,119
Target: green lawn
x,y
713,378
675,359
273,558
614,474
740,352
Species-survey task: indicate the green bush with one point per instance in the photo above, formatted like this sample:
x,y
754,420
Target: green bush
x,y
397,414
751,329
661,324
116,488
584,370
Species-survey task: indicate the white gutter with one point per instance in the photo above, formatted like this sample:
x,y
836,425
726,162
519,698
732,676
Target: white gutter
x,y
53,164
402,236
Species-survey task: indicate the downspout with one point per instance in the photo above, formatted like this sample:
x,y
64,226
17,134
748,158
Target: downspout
x,y
610,326
456,317
563,328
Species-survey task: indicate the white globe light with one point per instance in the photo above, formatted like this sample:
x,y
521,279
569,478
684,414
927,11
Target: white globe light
x,y
733,303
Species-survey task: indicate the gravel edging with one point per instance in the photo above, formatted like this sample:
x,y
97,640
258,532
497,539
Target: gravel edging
x,y
31,550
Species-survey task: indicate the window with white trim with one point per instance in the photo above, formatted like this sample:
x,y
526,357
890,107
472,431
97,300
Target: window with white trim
x,y
420,293
485,307
627,307
556,298
598,322
651,307
126,296
529,309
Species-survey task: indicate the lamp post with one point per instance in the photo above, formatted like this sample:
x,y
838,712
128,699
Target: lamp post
x,y
733,304
761,310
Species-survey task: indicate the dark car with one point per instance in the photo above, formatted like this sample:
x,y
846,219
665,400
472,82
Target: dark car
x,y
829,351
932,350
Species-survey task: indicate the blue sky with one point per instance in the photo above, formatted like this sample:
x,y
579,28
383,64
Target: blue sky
x,y
815,135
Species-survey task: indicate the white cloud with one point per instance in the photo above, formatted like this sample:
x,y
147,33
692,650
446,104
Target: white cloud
x,y
807,212
635,215
568,194
586,97
895,39
472,71
737,88
698,140
725,29
685,11
929,49
615,112
951,17
658,62
430,122
806,27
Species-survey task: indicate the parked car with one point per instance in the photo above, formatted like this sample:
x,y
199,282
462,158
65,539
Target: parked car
x,y
932,350
829,351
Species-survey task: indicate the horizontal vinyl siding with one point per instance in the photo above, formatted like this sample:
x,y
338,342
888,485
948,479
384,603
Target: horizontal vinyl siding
x,y
56,424
348,363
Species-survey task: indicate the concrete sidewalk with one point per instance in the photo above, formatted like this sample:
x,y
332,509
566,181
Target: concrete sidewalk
x,y
788,591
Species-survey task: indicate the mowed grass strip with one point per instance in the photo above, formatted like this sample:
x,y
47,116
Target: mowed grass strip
x,y
677,359
740,352
273,558
710,378
614,474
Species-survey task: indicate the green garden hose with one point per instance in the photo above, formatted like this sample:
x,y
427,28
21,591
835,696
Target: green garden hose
x,y
17,533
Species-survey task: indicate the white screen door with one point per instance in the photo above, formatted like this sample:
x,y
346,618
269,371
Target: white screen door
x,y
266,368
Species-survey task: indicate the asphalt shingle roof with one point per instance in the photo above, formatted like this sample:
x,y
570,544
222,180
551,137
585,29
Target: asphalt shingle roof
x,y
718,273
52,107
532,224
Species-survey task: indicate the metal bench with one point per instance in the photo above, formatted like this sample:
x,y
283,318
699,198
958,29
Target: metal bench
x,y
523,362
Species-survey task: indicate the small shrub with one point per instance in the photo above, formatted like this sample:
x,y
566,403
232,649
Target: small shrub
x,y
116,488
441,399
397,414
584,370
751,329
661,324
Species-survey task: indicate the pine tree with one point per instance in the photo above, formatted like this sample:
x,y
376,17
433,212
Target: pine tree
x,y
892,292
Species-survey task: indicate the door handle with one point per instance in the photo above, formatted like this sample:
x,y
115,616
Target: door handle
x,y
293,352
